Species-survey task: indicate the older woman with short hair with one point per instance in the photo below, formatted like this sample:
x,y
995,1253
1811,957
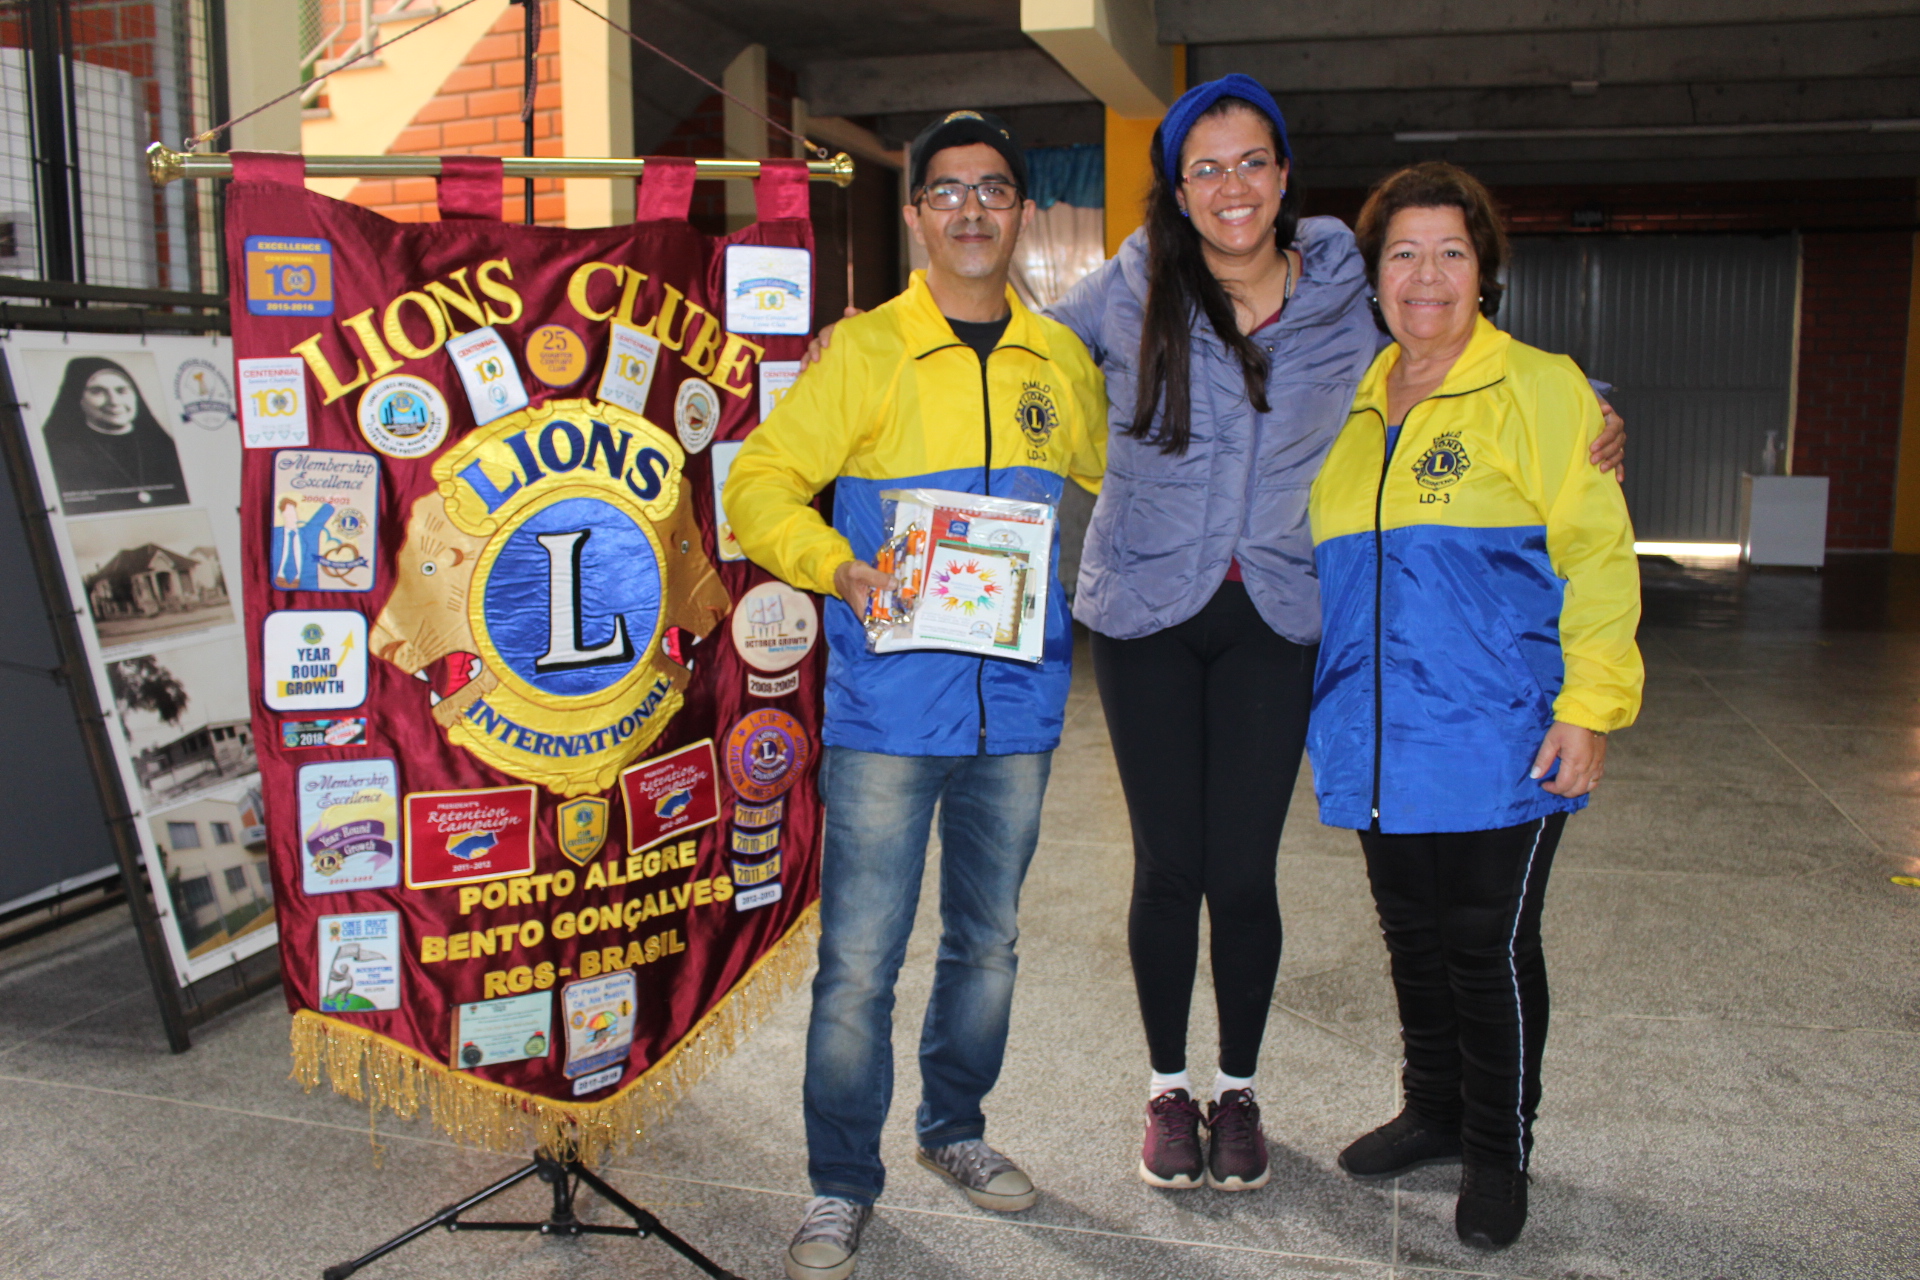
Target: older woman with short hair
x,y
1480,597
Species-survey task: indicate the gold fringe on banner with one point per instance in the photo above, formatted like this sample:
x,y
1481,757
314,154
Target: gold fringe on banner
x,y
387,1075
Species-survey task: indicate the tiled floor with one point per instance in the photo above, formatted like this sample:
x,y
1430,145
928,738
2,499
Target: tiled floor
x,y
1732,1083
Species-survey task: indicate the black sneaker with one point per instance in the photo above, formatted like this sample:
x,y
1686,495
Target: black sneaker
x,y
1401,1145
1493,1205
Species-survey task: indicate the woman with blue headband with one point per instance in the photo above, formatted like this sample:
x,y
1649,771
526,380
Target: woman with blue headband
x,y
1233,334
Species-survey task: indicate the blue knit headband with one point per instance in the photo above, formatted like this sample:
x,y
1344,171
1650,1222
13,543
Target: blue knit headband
x,y
1195,102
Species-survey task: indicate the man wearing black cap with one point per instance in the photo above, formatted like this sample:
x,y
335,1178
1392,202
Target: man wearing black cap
x,y
952,385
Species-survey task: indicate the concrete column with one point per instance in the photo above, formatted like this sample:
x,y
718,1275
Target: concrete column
x,y
262,62
596,109
745,133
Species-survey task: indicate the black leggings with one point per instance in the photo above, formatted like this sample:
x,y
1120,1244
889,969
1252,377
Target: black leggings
x,y
1208,719
1461,915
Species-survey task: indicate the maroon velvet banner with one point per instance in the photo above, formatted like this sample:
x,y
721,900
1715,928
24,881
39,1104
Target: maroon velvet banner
x,y
537,746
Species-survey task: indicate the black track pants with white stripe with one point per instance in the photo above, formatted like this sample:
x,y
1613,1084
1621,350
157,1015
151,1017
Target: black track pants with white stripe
x,y
1461,915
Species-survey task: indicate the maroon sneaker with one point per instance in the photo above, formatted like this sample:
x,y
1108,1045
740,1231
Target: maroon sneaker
x,y
1172,1157
1237,1156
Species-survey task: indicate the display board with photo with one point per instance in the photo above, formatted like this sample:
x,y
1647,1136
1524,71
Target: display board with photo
x,y
136,443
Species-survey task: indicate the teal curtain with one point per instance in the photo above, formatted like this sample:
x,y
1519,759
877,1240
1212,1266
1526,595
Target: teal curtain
x,y
1067,175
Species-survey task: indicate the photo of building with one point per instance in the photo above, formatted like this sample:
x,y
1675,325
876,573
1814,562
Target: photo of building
x,y
212,751
215,854
151,574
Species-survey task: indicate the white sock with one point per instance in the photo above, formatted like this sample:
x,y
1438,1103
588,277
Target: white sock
x,y
1167,1084
1223,1082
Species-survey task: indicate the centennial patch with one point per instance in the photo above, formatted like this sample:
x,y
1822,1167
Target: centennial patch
x,y
462,837
696,413
776,379
551,592
632,358
359,959
349,825
556,355
1443,464
676,792
314,659
273,402
488,373
774,626
580,826
769,289
766,753
325,505
288,276
403,416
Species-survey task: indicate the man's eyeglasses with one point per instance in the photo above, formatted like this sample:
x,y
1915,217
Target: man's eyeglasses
x,y
947,196
1209,175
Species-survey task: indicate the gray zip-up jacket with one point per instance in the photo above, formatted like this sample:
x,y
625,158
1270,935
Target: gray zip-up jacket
x,y
1166,526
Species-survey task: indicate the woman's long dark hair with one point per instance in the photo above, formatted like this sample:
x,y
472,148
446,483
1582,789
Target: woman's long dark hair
x,y
1179,287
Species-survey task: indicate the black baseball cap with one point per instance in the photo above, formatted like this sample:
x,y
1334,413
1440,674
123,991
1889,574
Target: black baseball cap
x,y
959,129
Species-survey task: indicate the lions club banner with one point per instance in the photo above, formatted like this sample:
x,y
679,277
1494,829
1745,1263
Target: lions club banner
x,y
536,743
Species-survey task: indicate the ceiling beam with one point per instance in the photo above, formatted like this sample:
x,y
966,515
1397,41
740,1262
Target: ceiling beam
x,y
936,82
1231,22
1387,112
1110,46
1787,51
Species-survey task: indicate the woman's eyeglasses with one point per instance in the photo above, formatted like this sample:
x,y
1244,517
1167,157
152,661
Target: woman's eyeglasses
x,y
947,196
1210,175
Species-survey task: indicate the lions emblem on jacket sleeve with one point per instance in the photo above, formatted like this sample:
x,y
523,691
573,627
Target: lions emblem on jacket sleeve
x,y
550,593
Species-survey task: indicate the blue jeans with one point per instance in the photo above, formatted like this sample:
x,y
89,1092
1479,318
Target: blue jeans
x,y
879,814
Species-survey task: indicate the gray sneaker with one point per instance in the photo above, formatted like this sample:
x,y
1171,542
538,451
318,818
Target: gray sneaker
x,y
828,1240
990,1179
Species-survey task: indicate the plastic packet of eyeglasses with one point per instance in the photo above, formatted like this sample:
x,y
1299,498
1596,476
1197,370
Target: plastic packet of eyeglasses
x,y
972,575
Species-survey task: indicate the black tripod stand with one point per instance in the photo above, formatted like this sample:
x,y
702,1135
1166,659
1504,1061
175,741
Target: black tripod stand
x,y
563,1176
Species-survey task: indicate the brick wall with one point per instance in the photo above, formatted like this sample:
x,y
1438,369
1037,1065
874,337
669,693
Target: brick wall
x,y
1854,295
477,112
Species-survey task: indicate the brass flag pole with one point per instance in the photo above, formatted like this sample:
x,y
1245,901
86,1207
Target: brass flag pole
x,y
165,165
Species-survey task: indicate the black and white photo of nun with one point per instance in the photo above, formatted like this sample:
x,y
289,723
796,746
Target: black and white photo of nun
x,y
109,452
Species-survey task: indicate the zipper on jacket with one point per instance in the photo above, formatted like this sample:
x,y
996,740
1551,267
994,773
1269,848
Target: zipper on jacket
x,y
1380,570
1379,602
986,487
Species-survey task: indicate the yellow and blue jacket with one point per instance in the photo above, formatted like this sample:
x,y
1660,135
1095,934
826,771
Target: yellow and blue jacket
x,y
897,402
1478,583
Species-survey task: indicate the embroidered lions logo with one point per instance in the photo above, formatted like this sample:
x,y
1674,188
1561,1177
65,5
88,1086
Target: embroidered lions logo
x,y
1036,414
551,592
1443,464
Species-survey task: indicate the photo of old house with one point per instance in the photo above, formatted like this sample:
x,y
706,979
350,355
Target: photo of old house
x,y
151,574
185,716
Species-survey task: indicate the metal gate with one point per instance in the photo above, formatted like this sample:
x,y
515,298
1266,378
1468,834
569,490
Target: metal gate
x,y
1697,335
